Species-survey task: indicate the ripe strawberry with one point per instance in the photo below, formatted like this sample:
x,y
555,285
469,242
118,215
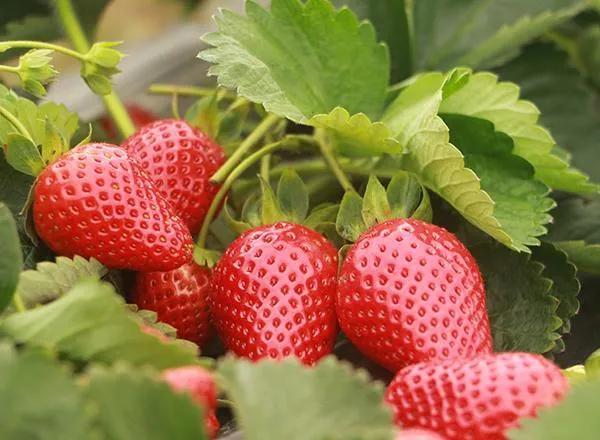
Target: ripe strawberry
x,y
273,293
409,292
476,399
180,160
94,201
417,434
201,386
179,298
139,116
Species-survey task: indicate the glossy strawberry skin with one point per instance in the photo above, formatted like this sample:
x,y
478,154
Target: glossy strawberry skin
x,y
273,293
179,297
409,292
200,384
94,201
180,159
417,434
477,399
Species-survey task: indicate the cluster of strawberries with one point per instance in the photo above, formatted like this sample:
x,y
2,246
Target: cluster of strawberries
x,y
408,294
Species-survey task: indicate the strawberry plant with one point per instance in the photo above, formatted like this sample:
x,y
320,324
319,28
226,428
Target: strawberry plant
x,y
379,222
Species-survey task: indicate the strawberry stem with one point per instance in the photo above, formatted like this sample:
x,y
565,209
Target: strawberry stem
x,y
28,44
244,147
17,124
18,303
169,89
332,163
74,31
231,178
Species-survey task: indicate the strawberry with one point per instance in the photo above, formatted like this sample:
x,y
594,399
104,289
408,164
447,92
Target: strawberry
x,y
200,384
138,114
408,292
179,298
180,160
273,293
94,201
417,434
476,399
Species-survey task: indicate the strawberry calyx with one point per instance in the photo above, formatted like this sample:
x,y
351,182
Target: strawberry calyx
x,y
404,197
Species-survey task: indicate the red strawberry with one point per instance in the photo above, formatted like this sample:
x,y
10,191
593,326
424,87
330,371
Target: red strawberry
x,y
200,385
409,292
139,116
417,434
179,297
94,201
180,160
273,294
477,399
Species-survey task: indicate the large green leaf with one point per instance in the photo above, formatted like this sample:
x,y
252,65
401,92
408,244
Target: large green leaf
x,y
91,323
286,400
300,60
11,259
567,103
391,19
440,166
574,418
479,33
522,310
485,98
132,404
40,401
14,186
521,202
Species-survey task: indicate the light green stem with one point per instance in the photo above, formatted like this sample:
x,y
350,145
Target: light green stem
x,y
18,303
10,69
332,163
74,31
231,178
244,147
16,123
265,166
27,44
169,89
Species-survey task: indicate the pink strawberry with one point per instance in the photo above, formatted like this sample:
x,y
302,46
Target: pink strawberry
x,y
409,292
200,385
273,294
179,298
477,399
417,434
94,201
180,159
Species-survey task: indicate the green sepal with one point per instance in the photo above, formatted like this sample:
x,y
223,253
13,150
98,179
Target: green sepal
x,y
204,114
575,374
592,365
100,65
206,257
270,210
408,198
322,214
35,71
375,204
23,155
349,222
238,226
292,196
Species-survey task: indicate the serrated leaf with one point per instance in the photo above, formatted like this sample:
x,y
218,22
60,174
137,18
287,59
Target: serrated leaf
x,y
575,417
350,223
22,155
521,202
567,102
292,196
329,400
42,402
11,259
375,205
437,163
50,281
90,323
356,136
522,310
134,404
300,59
585,256
485,97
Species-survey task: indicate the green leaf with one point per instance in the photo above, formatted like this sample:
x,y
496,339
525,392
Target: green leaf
x,y
481,33
592,365
292,196
286,400
408,198
522,310
585,256
133,404
50,281
300,59
356,136
375,205
575,417
350,223
437,163
22,155
42,402
11,259
567,102
565,285
90,323
14,186
485,98
521,202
